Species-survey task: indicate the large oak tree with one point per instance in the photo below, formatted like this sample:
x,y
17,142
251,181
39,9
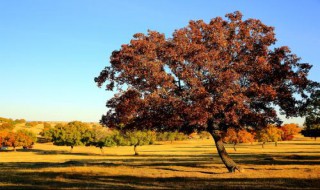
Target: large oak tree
x,y
207,76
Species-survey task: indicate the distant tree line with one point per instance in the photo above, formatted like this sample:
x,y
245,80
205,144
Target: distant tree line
x,y
77,133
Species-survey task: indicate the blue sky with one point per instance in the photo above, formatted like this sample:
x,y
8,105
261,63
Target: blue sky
x,y
51,50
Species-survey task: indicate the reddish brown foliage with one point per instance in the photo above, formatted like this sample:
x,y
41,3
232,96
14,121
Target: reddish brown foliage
x,y
222,73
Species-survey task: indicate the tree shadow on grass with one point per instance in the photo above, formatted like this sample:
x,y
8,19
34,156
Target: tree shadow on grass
x,y
276,159
58,152
195,160
56,180
23,175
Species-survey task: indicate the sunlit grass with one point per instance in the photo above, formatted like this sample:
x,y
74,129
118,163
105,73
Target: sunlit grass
x,y
192,164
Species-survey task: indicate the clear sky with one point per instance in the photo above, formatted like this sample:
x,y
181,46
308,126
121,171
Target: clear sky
x,y
51,50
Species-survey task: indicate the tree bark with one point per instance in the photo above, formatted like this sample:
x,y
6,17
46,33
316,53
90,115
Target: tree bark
x,y
234,146
71,149
276,143
263,144
135,150
226,159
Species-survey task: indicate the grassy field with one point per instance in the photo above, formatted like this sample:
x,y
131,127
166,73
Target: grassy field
x,y
192,164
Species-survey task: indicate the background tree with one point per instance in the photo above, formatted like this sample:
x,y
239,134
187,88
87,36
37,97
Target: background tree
x,y
171,137
71,134
245,136
120,138
207,76
139,138
11,140
47,132
3,137
22,138
312,121
313,131
231,136
25,138
269,134
289,130
235,137
101,137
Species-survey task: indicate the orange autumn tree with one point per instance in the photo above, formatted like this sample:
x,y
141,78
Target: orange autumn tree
x,y
271,133
207,76
11,140
3,137
289,130
235,137
23,138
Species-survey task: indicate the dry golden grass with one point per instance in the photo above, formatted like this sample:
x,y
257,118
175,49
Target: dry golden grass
x,y
192,164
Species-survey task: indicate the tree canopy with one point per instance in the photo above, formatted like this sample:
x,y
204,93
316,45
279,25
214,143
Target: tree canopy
x,y
224,70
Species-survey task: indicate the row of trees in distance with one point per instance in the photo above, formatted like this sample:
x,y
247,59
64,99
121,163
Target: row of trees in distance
x,y
271,133
77,133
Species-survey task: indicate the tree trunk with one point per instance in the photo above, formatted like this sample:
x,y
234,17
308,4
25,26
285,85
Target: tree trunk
x,y
71,149
102,151
226,159
276,143
135,150
14,149
263,144
234,146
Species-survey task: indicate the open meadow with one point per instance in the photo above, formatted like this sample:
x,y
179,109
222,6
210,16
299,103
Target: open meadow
x,y
190,164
